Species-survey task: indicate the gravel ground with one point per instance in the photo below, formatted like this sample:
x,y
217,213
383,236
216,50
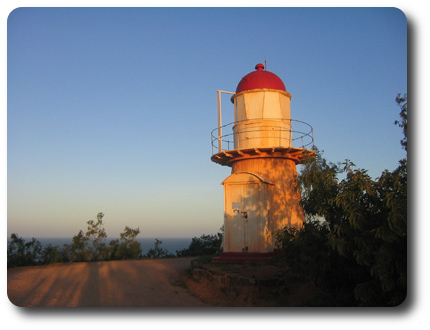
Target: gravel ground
x,y
127,283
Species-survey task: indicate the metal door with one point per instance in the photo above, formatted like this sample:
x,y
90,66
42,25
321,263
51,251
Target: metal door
x,y
241,216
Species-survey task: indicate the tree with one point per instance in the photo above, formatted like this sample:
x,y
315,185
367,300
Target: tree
x,y
15,251
96,234
158,251
51,255
310,258
318,183
129,248
90,246
112,250
205,245
358,245
65,253
78,248
402,101
21,253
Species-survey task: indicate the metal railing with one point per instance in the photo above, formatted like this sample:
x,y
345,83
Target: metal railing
x,y
300,134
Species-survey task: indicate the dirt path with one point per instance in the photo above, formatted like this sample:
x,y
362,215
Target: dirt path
x,y
128,283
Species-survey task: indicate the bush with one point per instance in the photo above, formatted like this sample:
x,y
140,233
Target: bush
x,y
90,246
360,248
129,248
158,251
205,245
20,253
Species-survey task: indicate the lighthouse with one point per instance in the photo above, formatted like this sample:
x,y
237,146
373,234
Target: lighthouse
x,y
262,146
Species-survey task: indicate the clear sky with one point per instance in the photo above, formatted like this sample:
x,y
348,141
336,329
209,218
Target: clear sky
x,y
111,109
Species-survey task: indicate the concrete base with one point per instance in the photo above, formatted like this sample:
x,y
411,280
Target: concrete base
x,y
246,257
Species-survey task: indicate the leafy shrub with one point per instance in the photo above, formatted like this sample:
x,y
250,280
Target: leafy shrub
x,y
358,246
129,248
89,246
21,253
158,251
205,245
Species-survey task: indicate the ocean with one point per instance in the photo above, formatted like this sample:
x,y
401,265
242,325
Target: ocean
x,y
171,244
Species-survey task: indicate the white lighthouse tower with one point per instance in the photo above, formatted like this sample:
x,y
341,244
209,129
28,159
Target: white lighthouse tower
x,y
262,146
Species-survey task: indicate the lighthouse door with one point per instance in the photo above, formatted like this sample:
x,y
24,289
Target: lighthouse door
x,y
242,216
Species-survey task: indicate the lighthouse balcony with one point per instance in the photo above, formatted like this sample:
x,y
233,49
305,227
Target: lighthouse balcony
x,y
262,133
262,137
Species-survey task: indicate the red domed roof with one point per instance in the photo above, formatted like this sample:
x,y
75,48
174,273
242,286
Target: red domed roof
x,y
260,79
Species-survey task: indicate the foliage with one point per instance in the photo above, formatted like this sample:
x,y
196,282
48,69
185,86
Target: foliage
x,y
129,248
358,244
51,255
96,234
318,183
20,253
158,251
65,254
78,249
310,257
90,246
205,245
112,250
402,101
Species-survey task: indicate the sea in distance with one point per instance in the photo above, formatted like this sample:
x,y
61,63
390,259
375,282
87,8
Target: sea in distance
x,y
171,244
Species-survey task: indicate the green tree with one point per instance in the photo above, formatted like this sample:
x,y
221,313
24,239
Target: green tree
x,y
359,245
205,245
96,235
318,182
402,101
15,251
78,249
310,257
112,250
158,251
21,253
51,255
129,248
65,253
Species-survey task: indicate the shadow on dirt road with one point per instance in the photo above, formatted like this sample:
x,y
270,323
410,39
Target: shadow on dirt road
x,y
127,283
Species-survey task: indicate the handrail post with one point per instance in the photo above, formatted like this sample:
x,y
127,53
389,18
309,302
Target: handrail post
x,y
220,119
219,122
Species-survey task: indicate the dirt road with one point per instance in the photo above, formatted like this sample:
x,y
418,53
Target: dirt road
x,y
128,283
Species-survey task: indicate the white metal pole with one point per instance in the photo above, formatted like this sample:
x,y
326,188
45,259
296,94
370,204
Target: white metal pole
x,y
220,119
219,122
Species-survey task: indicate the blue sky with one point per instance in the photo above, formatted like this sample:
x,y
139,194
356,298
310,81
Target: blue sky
x,y
111,109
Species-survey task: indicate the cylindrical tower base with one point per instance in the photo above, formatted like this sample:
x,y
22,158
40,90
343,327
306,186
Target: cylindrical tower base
x,y
283,198
261,197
